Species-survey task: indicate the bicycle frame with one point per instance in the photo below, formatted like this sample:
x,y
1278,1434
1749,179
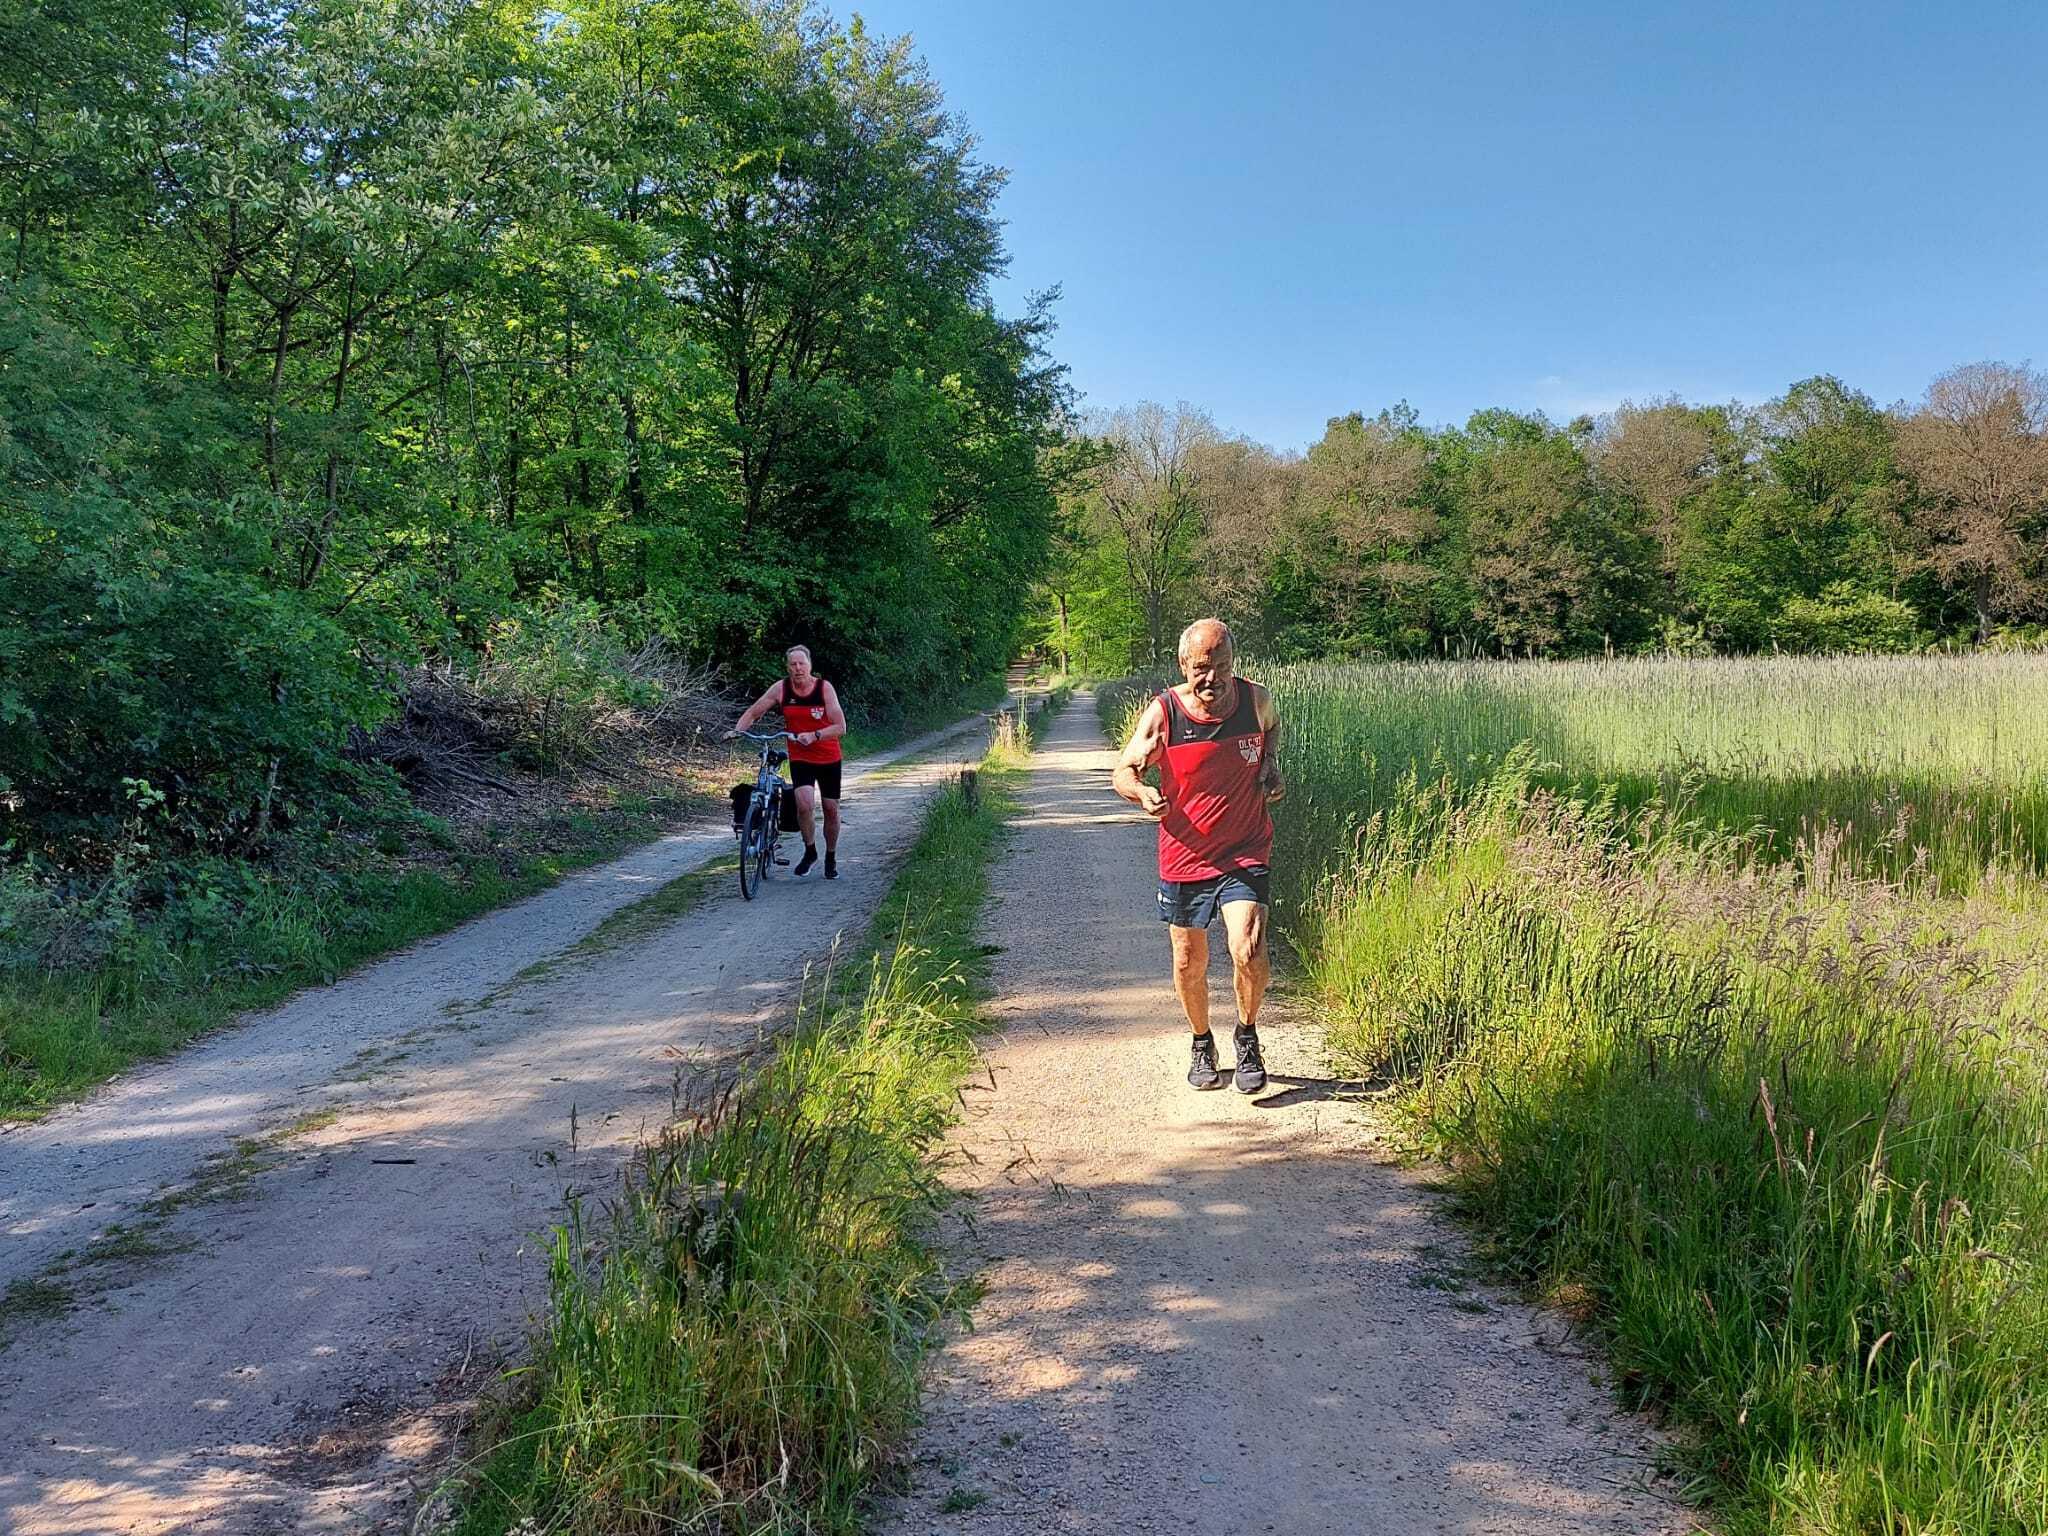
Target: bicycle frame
x,y
760,830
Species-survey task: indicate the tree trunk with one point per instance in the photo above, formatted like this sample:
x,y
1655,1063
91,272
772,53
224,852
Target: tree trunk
x,y
513,453
277,357
287,310
223,284
636,492
27,211
331,481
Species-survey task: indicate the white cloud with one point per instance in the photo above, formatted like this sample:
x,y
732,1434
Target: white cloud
x,y
1562,397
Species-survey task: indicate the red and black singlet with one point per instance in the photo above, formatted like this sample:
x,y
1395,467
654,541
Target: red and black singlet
x,y
806,712
1216,819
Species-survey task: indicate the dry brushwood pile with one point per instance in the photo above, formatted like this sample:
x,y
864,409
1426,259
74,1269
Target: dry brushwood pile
x,y
497,732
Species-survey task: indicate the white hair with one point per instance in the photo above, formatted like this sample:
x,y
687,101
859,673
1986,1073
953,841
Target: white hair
x,y
1187,636
797,650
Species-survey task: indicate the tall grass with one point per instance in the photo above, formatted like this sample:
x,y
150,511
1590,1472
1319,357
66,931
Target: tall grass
x,y
1775,1124
732,1342
1920,768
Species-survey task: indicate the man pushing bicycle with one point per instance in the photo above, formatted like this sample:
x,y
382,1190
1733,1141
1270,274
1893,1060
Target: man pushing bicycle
x,y
815,722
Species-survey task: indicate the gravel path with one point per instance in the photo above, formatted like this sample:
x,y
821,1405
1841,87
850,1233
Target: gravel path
x,y
1207,1313
291,1253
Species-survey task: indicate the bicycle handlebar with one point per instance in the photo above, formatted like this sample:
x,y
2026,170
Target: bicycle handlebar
x,y
763,737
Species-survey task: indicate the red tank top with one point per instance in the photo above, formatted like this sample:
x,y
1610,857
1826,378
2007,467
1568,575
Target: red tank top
x,y
806,712
1216,818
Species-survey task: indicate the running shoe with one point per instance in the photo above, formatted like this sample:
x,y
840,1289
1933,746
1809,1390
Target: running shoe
x,y
1251,1064
803,865
1202,1071
831,865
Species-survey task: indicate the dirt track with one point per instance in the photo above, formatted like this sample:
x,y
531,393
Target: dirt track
x,y
293,1247
1206,1313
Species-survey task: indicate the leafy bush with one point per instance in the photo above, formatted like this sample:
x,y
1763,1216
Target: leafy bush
x,y
2021,638
1675,637
1845,620
570,686
139,635
45,924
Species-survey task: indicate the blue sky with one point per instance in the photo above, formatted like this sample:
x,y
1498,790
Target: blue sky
x,y
1287,210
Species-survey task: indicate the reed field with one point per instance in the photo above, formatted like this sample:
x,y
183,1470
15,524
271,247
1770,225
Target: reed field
x,y
1716,988
1914,768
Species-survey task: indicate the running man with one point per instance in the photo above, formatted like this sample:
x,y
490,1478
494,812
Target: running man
x,y
1215,738
815,722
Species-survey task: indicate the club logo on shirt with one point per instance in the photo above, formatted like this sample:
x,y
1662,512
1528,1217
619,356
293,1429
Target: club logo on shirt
x,y
1248,747
817,713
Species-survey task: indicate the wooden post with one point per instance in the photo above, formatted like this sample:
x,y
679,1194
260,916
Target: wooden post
x,y
970,788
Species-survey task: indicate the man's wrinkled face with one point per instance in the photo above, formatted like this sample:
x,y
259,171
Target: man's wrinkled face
x,y
1208,668
799,669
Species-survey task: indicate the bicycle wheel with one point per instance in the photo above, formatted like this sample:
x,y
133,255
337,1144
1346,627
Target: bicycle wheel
x,y
771,834
752,837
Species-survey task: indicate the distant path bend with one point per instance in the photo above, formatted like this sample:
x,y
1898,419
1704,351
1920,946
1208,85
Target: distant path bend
x,y
1206,1313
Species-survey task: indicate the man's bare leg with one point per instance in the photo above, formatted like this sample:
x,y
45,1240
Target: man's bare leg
x,y
1191,983
831,826
806,821
1251,961
1191,974
1251,967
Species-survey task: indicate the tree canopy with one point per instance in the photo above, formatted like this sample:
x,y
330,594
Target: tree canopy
x,y
1813,522
336,335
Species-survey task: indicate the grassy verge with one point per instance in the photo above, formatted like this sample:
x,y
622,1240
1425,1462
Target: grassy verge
x,y
1787,1148
733,1345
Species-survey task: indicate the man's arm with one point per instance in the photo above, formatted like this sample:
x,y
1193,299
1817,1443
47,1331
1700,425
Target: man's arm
x,y
756,710
1269,755
1148,740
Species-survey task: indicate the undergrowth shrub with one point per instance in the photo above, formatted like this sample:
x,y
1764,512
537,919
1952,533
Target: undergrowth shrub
x,y
566,686
1790,1148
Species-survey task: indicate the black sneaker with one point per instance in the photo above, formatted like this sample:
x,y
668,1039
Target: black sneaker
x,y
1202,1071
1251,1065
831,865
803,865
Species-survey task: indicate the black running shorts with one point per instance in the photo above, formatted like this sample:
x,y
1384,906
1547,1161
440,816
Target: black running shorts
x,y
824,775
1195,903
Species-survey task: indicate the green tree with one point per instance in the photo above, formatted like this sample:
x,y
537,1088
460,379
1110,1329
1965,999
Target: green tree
x,y
1550,566
1977,452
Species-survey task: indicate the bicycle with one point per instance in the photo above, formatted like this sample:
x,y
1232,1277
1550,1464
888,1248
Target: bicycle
x,y
759,827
